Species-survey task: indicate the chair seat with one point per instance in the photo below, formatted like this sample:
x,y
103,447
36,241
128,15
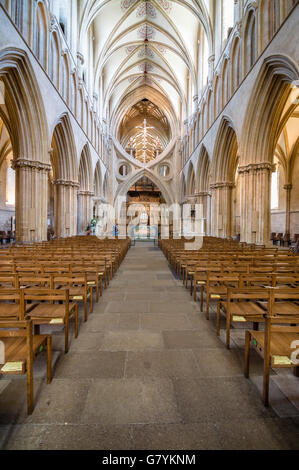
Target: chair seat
x,y
13,310
286,308
16,348
280,350
50,311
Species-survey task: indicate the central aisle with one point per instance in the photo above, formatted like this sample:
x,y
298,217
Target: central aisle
x,y
146,372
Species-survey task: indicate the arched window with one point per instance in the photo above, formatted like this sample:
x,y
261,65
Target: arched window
x,y
274,16
54,60
236,65
40,41
250,41
64,82
225,84
228,7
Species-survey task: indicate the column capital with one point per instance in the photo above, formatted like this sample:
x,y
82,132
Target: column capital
x,y
288,186
255,167
85,193
62,182
221,185
32,164
202,193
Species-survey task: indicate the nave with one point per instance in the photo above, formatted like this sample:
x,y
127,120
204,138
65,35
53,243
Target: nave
x,y
147,371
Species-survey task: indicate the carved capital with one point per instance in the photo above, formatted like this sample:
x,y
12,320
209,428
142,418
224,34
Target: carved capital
x,y
288,187
62,182
202,194
85,193
30,164
222,185
255,167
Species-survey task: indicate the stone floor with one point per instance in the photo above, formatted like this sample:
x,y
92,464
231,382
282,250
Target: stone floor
x,y
148,372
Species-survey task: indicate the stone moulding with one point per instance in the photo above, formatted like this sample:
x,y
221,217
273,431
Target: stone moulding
x,y
254,167
225,184
32,164
66,183
85,193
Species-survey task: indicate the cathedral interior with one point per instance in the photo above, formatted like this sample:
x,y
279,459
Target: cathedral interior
x,y
144,106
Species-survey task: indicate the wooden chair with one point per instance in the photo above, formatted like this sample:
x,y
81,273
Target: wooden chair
x,y
11,306
47,312
216,288
244,305
79,290
280,338
21,348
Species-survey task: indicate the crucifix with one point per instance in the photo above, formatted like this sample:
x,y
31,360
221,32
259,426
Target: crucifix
x,y
144,136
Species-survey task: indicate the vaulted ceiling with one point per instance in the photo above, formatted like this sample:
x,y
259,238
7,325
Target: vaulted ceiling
x,y
151,45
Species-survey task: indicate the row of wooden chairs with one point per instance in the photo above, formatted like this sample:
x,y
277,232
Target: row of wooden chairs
x,y
256,285
38,290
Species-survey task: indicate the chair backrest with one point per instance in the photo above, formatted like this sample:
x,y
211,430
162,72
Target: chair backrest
x,y
44,295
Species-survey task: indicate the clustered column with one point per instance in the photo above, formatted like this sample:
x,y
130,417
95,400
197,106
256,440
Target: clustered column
x,y
65,202
221,210
204,198
85,206
255,184
31,199
288,189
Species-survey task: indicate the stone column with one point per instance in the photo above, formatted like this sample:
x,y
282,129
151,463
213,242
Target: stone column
x,y
221,209
204,198
288,188
255,184
65,211
85,205
31,200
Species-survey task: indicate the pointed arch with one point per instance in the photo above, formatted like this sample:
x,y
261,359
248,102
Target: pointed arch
x,y
125,186
272,89
191,180
225,160
54,59
63,156
250,39
98,181
203,170
236,67
26,119
85,170
40,41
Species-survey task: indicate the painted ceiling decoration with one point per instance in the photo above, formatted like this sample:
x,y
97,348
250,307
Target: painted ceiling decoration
x,y
145,45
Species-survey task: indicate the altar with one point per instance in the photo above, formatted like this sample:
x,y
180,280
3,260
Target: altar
x,y
144,232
